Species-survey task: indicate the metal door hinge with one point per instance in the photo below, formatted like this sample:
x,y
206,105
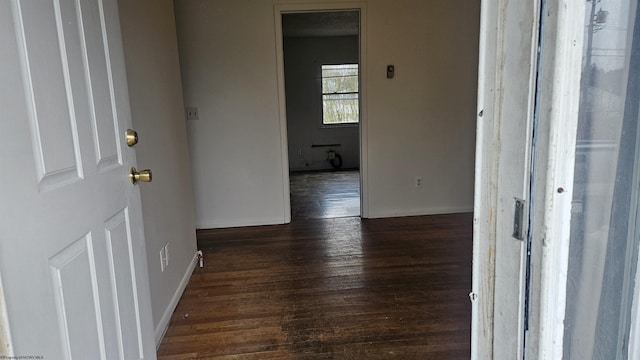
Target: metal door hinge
x,y
518,219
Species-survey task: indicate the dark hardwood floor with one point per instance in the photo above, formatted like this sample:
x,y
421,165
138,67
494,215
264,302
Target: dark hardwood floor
x,y
320,195
340,288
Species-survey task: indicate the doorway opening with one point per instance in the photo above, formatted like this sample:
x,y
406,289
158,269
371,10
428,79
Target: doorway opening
x,y
322,87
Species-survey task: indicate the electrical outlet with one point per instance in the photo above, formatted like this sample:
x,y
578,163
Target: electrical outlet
x,y
419,181
163,256
192,113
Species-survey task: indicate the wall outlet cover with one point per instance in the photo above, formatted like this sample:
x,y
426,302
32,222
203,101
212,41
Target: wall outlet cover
x,y
192,113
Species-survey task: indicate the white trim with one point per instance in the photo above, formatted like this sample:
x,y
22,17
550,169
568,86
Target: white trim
x,y
364,124
280,9
530,171
6,348
163,324
282,112
502,173
484,222
421,212
373,215
217,224
563,122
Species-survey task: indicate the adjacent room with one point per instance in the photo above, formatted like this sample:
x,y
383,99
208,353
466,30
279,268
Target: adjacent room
x,y
321,52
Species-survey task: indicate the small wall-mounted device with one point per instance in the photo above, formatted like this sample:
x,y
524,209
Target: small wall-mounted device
x,y
192,113
390,71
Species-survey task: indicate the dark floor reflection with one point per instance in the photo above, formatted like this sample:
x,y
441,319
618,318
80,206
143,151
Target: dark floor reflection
x,y
322,195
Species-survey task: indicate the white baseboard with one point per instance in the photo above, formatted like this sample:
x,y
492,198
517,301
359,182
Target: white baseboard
x,y
239,223
419,212
373,214
163,325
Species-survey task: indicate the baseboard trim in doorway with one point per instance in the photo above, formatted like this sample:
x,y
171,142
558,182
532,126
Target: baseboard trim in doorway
x,y
163,325
386,213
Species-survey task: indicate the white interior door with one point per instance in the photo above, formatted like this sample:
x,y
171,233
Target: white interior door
x,y
72,254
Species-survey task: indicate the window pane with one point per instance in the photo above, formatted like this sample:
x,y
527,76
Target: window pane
x,y
340,108
339,78
604,239
340,94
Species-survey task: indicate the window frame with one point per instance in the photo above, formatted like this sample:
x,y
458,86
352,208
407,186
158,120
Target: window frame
x,y
322,94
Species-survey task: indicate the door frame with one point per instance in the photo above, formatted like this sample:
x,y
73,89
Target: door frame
x,y
557,103
505,129
6,348
281,9
561,48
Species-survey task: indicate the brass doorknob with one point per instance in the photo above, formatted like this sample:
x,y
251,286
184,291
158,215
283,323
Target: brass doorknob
x,y
142,175
131,136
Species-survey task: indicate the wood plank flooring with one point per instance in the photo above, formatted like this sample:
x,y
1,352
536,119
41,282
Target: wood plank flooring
x,y
320,195
340,288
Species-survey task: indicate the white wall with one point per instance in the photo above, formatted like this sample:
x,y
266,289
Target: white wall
x,y
303,57
153,72
421,123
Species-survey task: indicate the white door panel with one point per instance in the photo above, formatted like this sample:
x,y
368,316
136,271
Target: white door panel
x,y
71,240
51,114
77,308
101,101
123,285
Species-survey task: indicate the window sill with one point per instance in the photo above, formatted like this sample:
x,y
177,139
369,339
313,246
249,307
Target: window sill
x,y
338,126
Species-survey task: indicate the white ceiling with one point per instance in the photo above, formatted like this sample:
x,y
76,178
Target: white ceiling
x,y
336,23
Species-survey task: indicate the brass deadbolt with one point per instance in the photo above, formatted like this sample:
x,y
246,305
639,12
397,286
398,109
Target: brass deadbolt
x,y
131,136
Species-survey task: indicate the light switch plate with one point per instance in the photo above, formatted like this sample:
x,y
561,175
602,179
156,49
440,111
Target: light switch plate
x,y
391,71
